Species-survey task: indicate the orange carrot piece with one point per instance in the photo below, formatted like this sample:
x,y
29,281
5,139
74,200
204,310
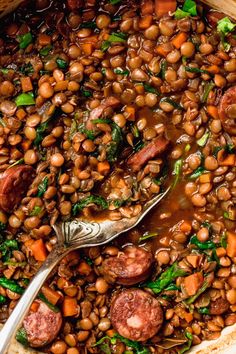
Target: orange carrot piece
x,y
39,250
179,39
44,39
162,50
194,260
91,39
34,307
87,48
188,317
51,295
26,144
213,69
193,282
103,167
69,306
231,244
162,7
213,111
145,22
26,84
205,178
20,113
220,252
147,7
186,226
228,160
130,110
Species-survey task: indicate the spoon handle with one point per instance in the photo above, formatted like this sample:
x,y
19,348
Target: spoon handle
x,y
22,307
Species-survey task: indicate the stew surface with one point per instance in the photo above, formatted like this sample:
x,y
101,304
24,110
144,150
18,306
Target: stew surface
x,y
103,105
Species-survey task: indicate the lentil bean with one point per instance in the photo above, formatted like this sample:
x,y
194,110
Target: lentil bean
x,y
104,324
211,163
30,157
86,324
101,286
46,90
187,49
59,347
231,296
57,160
103,21
198,200
203,234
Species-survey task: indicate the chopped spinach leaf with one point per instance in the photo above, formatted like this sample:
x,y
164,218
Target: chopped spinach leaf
x,y
121,72
149,88
166,278
198,172
36,211
189,337
42,187
27,69
11,285
6,248
61,63
189,9
24,40
224,27
40,130
204,311
202,245
196,70
114,2
177,171
92,199
21,336
88,24
176,105
223,240
25,99
114,145
86,93
203,140
45,50
207,89
3,299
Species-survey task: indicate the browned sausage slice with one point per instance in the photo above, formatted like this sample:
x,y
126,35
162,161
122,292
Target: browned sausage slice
x,y
227,110
98,111
154,148
219,306
42,326
214,17
136,315
14,183
129,267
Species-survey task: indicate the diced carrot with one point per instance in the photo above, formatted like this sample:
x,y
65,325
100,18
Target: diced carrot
x,y
220,252
87,48
91,39
121,183
188,317
205,178
213,111
69,306
223,55
162,7
147,7
193,282
163,49
61,85
28,243
26,84
39,250
103,167
186,226
51,295
213,69
179,39
20,113
84,268
110,332
145,22
228,160
44,39
194,260
130,110
231,244
34,307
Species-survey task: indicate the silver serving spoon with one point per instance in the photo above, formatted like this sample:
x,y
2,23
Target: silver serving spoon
x,y
71,235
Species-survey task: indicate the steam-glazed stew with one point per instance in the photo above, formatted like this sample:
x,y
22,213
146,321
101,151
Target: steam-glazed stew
x,y
104,105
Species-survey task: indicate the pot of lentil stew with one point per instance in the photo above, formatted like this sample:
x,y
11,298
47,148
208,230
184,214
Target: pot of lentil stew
x,y
87,92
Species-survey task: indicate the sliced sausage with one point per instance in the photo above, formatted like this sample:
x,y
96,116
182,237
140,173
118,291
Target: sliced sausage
x,y
74,4
219,306
154,148
227,110
42,326
136,315
98,111
14,183
129,267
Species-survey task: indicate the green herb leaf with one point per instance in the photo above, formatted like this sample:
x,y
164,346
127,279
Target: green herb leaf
x,y
179,14
4,71
224,27
92,199
48,303
25,99
105,45
40,130
207,89
7,247
146,236
204,311
25,40
163,69
36,211
113,38
42,187
45,50
3,299
121,72
138,347
223,240
86,93
101,121
11,285
190,6
114,145
198,172
88,24
196,70
177,171
89,133
203,140
189,337
166,278
202,245
61,63
114,2
21,336
18,162
149,88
